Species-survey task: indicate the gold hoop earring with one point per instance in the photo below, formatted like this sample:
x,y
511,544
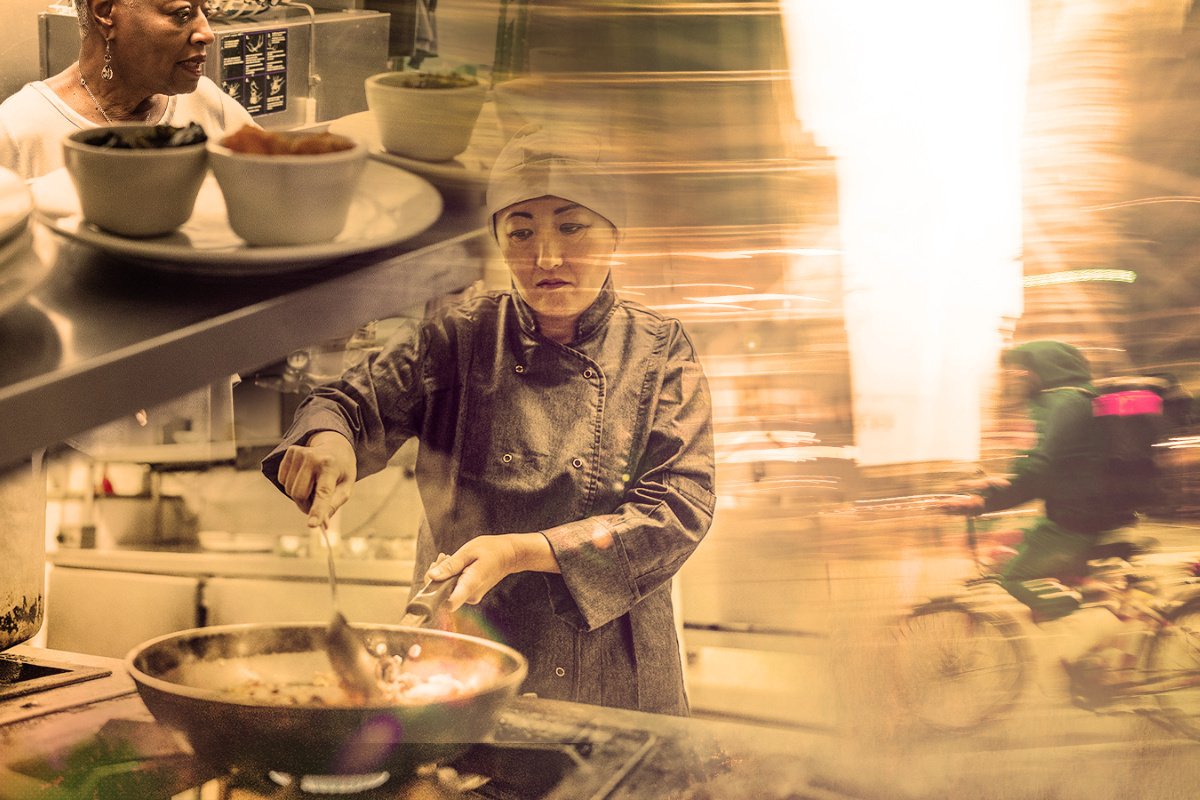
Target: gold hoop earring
x,y
107,72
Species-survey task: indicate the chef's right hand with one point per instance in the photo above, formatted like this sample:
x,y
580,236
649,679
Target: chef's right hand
x,y
319,475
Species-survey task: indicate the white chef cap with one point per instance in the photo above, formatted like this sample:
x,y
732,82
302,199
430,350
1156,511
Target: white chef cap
x,y
537,162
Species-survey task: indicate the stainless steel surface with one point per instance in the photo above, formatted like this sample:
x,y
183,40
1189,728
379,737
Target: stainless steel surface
x,y
102,338
350,46
22,675
236,565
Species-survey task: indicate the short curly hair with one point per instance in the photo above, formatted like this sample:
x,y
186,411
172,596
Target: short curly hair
x,y
85,17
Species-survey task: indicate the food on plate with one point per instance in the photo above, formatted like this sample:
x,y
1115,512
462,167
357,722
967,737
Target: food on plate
x,y
144,137
257,141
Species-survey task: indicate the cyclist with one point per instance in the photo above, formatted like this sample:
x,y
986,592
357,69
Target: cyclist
x,y
1063,470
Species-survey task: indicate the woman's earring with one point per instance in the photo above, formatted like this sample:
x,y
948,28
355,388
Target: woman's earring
x,y
106,73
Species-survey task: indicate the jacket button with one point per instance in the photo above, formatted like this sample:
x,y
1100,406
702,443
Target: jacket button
x,y
520,369
506,458
559,671
577,463
587,373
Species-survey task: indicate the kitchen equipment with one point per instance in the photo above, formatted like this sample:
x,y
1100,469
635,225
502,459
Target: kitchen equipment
x,y
21,270
233,9
15,204
353,662
123,521
22,549
95,738
348,654
186,679
389,207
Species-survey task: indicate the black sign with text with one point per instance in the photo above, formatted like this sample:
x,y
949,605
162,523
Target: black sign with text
x,y
254,70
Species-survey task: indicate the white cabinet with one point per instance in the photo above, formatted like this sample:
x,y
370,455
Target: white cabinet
x,y
108,613
105,602
230,600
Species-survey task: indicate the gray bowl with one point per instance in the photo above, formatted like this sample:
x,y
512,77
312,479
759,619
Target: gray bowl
x,y
138,192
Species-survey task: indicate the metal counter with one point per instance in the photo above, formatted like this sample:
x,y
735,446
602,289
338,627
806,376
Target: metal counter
x,y
102,336
396,572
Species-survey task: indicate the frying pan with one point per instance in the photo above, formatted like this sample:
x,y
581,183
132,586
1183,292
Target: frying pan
x,y
186,678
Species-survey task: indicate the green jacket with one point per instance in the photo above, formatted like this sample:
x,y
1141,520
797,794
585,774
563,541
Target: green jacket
x,y
1063,468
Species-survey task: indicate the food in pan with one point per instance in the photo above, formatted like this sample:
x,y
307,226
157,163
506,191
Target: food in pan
x,y
400,686
250,139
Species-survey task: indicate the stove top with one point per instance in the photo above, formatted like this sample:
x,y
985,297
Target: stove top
x,y
92,736
587,768
23,675
533,756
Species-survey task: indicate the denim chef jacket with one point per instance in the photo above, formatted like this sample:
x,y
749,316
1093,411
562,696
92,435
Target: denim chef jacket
x,y
603,445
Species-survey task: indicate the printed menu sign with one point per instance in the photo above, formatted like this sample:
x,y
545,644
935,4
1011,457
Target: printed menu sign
x,y
254,70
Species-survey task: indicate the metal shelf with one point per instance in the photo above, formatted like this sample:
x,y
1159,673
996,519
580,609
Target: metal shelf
x,y
103,337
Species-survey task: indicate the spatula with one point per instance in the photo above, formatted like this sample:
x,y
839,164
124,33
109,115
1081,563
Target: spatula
x,y
352,661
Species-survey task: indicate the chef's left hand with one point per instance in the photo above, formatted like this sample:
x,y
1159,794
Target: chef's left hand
x,y
486,560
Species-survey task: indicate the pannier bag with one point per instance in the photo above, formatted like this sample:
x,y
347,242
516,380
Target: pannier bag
x,y
1128,415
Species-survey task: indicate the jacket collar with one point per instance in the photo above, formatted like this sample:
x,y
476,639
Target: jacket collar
x,y
591,320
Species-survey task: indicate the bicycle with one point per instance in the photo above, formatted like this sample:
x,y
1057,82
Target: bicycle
x,y
962,660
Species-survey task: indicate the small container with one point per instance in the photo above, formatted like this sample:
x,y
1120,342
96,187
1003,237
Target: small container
x,y
137,192
424,116
279,199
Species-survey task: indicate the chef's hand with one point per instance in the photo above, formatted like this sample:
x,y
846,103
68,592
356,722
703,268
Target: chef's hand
x,y
486,560
319,475
983,484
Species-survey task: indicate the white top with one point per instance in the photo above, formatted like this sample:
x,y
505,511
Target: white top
x,y
35,120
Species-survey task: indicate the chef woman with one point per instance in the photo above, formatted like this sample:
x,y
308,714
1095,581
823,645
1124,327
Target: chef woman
x,y
565,461
140,61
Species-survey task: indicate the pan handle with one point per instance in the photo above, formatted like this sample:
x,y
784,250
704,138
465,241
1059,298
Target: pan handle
x,y
426,602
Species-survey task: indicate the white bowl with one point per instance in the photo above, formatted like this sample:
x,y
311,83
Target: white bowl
x,y
276,200
430,124
140,192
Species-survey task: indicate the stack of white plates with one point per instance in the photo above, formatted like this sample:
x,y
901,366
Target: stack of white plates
x,y
16,203
20,269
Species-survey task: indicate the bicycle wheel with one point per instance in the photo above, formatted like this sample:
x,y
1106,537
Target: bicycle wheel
x,y
957,667
1174,658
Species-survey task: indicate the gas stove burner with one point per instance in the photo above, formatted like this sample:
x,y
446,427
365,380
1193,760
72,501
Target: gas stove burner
x,y
585,763
22,675
332,784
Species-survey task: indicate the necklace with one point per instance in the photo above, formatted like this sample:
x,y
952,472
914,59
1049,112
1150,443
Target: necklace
x,y
100,108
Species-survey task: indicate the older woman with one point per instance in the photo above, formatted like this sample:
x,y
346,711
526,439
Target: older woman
x,y
139,61
565,459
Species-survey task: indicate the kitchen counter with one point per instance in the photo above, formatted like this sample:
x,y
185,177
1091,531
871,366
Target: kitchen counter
x,y
45,753
236,565
102,336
